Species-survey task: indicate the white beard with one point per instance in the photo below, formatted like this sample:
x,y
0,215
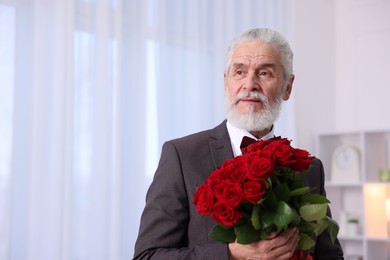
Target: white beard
x,y
251,120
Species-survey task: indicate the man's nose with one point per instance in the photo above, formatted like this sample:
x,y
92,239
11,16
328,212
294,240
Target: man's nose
x,y
252,82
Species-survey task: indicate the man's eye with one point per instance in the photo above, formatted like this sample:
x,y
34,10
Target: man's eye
x,y
239,72
265,74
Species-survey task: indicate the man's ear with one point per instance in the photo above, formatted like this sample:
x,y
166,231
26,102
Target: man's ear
x,y
225,81
287,92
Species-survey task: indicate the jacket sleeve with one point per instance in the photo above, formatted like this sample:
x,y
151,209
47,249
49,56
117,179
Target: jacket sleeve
x,y
163,232
324,248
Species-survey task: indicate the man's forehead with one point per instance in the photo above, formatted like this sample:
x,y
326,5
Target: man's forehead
x,y
255,51
271,65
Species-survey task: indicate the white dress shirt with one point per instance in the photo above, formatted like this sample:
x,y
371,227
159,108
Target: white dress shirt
x,y
236,134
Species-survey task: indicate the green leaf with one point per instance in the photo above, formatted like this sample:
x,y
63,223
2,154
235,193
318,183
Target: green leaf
x,y
264,233
255,218
297,182
300,191
306,227
316,227
306,241
285,215
313,212
267,219
270,200
321,225
246,234
224,234
333,228
246,209
314,199
282,191
268,183
297,219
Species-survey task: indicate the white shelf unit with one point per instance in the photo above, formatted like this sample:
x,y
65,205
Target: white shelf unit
x,y
364,200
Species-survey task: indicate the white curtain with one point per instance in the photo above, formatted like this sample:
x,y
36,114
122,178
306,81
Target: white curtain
x,y
89,91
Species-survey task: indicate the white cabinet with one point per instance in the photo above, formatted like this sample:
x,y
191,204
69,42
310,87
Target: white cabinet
x,y
358,203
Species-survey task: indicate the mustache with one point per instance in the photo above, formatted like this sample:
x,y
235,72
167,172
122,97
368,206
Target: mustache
x,y
252,95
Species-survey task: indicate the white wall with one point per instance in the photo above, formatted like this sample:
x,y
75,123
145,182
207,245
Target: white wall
x,y
313,46
342,66
362,68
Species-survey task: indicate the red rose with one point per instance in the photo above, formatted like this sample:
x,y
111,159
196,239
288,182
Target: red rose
x,y
234,170
225,214
253,191
229,193
301,165
203,200
299,153
302,160
228,164
237,175
225,169
215,178
258,146
283,154
259,168
298,255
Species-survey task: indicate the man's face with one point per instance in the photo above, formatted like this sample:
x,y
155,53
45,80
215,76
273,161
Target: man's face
x,y
255,84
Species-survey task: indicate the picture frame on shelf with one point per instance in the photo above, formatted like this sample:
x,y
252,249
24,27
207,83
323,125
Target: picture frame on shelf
x,y
345,164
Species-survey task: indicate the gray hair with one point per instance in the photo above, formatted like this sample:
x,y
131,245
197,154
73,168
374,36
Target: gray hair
x,y
269,36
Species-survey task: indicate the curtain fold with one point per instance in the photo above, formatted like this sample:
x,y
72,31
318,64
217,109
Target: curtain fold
x,y
90,91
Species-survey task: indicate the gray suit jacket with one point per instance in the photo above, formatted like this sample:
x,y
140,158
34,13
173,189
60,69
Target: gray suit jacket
x,y
170,227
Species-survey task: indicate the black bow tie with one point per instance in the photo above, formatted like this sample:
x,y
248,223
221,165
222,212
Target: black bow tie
x,y
245,142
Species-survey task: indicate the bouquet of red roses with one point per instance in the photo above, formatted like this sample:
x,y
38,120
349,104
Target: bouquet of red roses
x,y
262,191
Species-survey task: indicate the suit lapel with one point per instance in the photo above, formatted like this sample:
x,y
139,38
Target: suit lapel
x,y
221,150
220,146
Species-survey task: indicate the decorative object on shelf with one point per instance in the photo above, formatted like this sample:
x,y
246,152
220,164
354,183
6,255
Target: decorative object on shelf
x,y
387,206
384,175
387,137
345,164
354,257
349,224
353,227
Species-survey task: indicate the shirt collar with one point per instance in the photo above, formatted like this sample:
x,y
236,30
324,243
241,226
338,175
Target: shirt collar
x,y
236,134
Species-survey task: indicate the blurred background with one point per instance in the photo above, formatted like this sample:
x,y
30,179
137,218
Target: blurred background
x,y
90,90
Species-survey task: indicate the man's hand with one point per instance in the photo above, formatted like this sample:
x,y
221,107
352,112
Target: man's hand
x,y
281,246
